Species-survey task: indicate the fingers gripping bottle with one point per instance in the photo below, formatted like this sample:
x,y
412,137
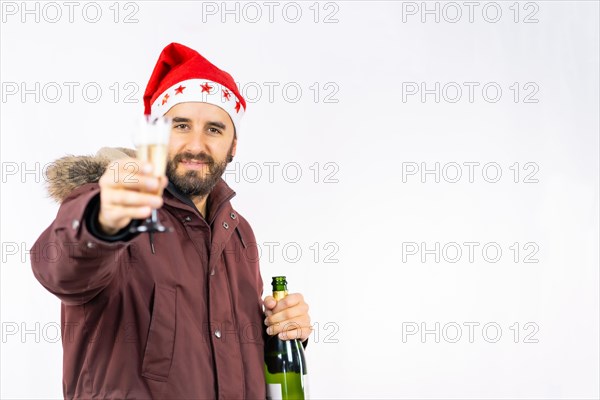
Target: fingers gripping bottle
x,y
285,365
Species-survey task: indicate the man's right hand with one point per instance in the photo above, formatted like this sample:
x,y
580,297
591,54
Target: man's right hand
x,y
128,190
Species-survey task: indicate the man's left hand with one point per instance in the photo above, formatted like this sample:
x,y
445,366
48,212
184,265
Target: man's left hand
x,y
288,317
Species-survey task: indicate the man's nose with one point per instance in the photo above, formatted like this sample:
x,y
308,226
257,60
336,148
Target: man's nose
x,y
196,143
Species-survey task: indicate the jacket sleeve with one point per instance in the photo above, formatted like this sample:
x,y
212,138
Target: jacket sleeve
x,y
70,261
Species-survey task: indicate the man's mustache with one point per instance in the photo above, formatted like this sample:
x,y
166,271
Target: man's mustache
x,y
200,157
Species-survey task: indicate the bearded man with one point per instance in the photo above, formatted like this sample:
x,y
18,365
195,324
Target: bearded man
x,y
176,315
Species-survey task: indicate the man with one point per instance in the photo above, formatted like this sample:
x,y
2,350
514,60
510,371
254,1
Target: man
x,y
175,315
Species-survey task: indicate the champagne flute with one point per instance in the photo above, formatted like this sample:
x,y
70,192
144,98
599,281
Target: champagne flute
x,y
151,141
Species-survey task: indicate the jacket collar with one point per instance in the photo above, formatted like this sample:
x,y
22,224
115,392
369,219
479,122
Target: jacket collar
x,y
220,195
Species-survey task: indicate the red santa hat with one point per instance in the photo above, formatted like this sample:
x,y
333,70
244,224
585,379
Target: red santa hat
x,y
182,75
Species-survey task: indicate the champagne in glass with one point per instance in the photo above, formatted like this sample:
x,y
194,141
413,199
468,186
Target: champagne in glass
x,y
151,142
155,154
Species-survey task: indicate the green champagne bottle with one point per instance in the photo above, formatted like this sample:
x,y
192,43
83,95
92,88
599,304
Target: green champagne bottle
x,y
285,365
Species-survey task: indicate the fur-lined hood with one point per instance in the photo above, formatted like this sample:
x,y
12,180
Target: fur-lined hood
x,y
69,172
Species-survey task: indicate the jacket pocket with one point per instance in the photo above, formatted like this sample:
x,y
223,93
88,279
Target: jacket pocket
x,y
160,345
237,229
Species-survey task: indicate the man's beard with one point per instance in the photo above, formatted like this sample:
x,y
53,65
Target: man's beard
x,y
190,183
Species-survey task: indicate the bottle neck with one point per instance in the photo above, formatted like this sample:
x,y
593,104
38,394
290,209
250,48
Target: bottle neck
x,y
279,294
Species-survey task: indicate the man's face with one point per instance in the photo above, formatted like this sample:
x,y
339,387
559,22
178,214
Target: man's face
x,y
201,141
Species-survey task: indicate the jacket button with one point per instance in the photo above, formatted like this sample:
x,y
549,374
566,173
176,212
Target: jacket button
x,y
188,219
89,245
225,225
212,272
75,224
232,215
218,333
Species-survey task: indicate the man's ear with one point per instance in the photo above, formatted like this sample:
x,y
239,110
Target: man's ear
x,y
234,147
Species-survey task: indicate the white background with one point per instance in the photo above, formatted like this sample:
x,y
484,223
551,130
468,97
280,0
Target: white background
x,y
365,304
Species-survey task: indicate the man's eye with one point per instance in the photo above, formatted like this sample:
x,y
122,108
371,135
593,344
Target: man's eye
x,y
214,130
181,126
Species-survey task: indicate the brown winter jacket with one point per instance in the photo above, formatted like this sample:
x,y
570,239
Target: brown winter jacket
x,y
183,323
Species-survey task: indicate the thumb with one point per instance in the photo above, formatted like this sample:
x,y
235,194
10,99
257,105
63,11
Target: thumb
x,y
164,181
269,302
